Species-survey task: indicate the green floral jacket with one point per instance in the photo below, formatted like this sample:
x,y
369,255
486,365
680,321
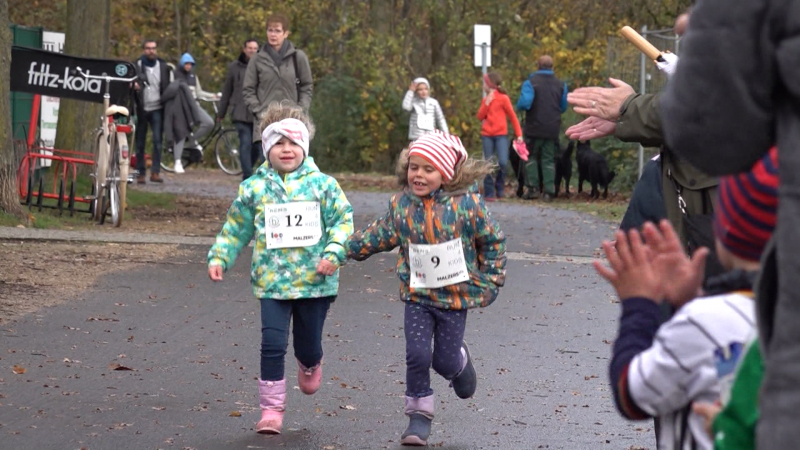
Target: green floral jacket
x,y
286,273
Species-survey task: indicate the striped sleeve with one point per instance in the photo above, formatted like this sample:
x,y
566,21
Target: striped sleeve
x,y
637,328
681,362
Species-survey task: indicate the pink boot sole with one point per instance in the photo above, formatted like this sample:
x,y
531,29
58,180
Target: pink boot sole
x,y
309,380
270,423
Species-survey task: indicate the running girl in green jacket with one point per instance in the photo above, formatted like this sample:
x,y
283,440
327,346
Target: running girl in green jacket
x,y
300,219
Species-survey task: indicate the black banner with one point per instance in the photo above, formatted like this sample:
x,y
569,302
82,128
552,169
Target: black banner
x,y
48,73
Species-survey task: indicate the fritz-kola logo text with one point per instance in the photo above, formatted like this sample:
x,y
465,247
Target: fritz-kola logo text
x,y
43,77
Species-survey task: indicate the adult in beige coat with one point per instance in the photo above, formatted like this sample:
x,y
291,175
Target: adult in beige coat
x,y
278,72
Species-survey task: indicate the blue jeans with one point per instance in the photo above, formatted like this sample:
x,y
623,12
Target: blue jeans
x,y
156,120
445,327
309,318
247,156
493,186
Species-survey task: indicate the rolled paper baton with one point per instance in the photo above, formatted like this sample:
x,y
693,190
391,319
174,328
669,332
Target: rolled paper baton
x,y
641,43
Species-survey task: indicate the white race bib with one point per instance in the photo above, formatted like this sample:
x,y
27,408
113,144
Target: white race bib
x,y
425,122
295,224
434,266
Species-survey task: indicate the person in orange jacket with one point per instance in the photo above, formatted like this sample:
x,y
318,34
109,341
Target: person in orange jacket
x,y
494,112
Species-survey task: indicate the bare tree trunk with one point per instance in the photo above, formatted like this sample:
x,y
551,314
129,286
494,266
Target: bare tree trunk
x,y
177,25
87,36
9,199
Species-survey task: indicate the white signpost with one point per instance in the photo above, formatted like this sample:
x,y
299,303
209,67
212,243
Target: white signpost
x,y
53,42
483,47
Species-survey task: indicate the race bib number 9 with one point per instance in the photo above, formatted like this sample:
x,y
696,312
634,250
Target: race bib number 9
x,y
295,224
435,266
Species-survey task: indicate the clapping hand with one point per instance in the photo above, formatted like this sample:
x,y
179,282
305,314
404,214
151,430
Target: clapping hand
x,y
631,270
684,275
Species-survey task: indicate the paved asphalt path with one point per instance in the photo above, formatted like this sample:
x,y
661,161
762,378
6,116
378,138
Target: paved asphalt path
x,y
541,352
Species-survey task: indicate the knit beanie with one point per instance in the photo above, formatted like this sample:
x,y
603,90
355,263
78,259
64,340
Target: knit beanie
x,y
292,129
444,151
747,208
421,80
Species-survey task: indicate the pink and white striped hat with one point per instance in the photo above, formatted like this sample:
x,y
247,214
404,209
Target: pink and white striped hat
x,y
444,151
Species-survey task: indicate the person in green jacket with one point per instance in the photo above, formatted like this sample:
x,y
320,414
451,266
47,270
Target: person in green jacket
x,y
300,220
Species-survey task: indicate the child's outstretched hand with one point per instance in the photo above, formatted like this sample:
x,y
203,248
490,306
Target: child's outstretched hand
x,y
631,273
685,275
325,267
215,273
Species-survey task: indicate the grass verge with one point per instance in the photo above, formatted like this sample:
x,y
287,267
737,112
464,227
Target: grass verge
x,y
50,218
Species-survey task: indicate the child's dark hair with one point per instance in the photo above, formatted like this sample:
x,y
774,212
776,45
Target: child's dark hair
x,y
471,171
286,110
496,79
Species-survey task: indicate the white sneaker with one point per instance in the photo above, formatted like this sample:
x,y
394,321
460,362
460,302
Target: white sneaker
x,y
179,167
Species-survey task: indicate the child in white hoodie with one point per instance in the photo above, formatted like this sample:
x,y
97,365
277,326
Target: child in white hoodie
x,y
426,114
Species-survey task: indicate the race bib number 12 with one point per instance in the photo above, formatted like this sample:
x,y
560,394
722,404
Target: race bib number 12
x,y
435,266
295,224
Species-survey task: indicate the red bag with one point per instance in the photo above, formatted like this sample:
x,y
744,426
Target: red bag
x,y
521,149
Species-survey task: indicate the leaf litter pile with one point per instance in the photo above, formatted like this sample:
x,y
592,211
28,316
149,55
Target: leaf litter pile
x,y
38,274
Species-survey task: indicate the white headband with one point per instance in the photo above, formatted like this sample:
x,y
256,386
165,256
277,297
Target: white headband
x,y
292,129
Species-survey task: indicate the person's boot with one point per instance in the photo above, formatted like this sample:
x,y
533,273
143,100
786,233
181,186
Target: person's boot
x,y
532,194
273,403
465,383
309,379
420,416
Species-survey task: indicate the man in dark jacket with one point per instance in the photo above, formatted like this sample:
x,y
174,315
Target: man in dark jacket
x,y
240,115
154,76
735,94
544,99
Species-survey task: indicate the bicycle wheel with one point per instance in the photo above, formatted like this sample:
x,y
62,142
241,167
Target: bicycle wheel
x,y
100,171
227,151
124,168
113,184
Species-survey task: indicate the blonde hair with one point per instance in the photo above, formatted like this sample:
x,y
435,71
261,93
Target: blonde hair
x,y
276,112
471,171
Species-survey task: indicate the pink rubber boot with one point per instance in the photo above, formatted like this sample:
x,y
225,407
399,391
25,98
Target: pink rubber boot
x,y
309,379
273,404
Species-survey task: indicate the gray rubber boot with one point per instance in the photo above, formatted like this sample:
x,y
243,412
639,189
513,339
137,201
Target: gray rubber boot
x,y
465,383
420,416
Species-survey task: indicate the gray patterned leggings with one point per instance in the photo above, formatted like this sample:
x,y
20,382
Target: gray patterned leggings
x,y
446,327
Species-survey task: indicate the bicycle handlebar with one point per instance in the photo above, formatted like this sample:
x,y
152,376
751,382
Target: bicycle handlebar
x,y
103,77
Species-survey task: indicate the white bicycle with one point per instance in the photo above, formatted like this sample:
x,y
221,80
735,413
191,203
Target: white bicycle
x,y
111,157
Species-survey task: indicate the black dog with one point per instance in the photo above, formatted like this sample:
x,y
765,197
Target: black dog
x,y
563,170
593,168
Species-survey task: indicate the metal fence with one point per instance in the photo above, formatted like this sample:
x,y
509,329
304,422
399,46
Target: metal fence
x,y
628,64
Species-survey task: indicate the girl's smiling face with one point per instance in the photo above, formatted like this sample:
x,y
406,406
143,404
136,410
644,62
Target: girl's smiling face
x,y
423,178
422,91
285,156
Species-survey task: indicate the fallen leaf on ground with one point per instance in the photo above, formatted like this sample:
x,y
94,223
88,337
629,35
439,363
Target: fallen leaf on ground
x,y
19,370
348,407
115,366
235,414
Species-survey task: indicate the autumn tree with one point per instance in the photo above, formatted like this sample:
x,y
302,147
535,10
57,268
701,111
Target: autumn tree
x,y
87,35
364,53
9,200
